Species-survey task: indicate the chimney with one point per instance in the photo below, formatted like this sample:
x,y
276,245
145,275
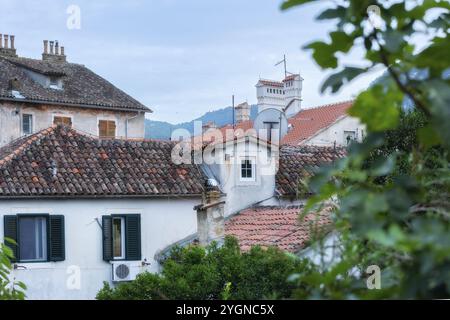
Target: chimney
x,y
7,46
210,216
242,112
54,55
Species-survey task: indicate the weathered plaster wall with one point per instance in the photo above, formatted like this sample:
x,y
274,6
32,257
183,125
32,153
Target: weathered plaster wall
x,y
85,120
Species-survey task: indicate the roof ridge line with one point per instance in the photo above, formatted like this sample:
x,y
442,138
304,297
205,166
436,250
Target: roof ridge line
x,y
93,136
26,143
328,105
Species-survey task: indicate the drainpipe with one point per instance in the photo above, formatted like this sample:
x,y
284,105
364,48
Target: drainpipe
x,y
126,123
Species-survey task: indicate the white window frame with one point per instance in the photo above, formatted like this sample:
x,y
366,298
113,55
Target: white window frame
x,y
32,122
253,169
346,134
122,237
43,221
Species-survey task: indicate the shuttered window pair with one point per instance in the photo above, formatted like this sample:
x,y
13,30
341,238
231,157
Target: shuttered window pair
x,y
107,129
39,238
121,237
36,237
67,121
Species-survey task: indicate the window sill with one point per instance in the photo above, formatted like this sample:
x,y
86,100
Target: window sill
x,y
34,265
245,183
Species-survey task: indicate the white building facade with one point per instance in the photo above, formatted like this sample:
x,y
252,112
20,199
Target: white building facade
x,y
283,95
327,125
91,210
81,273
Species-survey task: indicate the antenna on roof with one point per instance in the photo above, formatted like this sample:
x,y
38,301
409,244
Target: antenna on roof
x,y
232,106
284,63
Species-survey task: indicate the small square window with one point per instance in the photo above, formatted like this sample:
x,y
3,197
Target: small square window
x,y
247,170
67,121
107,129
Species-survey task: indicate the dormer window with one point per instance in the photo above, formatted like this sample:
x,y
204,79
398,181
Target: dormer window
x,y
55,83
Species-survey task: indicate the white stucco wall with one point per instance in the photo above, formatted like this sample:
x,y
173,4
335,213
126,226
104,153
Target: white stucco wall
x,y
85,120
163,222
335,132
267,99
283,201
242,194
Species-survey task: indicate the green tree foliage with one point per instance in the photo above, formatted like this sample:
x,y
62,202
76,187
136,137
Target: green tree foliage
x,y
393,189
9,290
214,273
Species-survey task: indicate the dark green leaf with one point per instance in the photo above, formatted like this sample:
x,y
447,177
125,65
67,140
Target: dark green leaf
x,y
378,107
323,54
293,3
337,80
334,13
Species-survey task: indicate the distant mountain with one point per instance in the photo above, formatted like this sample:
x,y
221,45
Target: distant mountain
x,y
162,130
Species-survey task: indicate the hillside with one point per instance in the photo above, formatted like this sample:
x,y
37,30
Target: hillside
x,y
162,130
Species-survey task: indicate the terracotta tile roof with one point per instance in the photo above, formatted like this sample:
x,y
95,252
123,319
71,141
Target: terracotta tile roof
x,y
81,86
300,162
272,83
239,128
226,133
277,226
309,122
61,162
305,124
290,77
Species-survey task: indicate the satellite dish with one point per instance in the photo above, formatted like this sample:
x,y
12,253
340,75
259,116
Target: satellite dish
x,y
269,120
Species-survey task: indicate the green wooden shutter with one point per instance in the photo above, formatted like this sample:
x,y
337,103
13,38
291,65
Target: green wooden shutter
x,y
133,237
107,238
57,238
10,231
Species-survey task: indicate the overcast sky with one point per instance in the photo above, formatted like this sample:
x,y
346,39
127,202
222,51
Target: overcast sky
x,y
181,58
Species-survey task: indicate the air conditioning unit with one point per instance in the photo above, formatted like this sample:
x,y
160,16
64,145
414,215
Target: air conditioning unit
x,y
123,271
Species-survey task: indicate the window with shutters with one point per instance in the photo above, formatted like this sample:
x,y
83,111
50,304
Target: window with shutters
x,y
33,238
121,237
62,120
107,129
37,238
118,234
